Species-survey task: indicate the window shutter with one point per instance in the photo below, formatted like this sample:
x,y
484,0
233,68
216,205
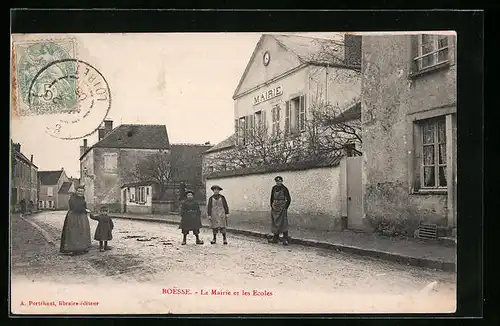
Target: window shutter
x,y
304,107
416,155
296,118
249,119
452,50
413,53
264,121
287,117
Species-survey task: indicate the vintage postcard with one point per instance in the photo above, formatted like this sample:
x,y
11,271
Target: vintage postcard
x,y
201,173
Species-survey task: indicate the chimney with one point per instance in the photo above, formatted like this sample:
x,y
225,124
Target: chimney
x,y
83,148
101,133
17,147
31,159
108,125
352,50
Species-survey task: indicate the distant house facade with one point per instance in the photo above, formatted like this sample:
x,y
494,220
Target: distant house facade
x,y
148,197
24,178
107,165
137,197
210,163
409,126
54,189
286,78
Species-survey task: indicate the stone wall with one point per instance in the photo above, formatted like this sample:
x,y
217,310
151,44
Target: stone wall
x,y
391,98
315,197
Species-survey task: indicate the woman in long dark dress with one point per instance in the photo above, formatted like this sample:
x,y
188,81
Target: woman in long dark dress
x,y
280,201
75,238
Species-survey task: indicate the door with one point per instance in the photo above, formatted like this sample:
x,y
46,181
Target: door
x,y
354,194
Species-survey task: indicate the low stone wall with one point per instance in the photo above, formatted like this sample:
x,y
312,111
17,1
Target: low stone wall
x,y
163,207
316,197
139,209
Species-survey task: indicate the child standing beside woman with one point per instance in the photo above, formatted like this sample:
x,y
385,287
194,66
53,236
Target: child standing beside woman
x,y
103,232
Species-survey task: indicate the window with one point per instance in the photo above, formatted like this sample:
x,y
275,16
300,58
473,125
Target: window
x,y
433,149
240,131
50,191
110,162
249,126
51,204
40,203
432,50
147,191
141,194
288,111
299,118
276,119
258,122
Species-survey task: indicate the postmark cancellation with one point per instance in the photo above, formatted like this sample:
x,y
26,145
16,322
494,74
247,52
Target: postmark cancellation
x,y
49,79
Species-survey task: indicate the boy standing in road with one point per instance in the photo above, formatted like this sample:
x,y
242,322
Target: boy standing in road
x,y
218,211
190,218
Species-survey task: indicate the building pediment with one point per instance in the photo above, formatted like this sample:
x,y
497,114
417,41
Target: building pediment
x,y
276,55
269,60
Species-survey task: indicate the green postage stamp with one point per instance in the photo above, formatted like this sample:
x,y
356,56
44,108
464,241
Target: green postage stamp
x,y
41,87
49,80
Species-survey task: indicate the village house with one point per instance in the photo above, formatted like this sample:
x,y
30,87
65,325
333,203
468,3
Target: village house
x,y
210,163
55,188
111,161
409,106
287,77
147,196
24,178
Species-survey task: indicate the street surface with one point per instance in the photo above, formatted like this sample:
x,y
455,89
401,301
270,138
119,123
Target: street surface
x,y
147,267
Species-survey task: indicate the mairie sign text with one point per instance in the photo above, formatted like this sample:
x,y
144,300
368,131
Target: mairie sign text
x,y
268,95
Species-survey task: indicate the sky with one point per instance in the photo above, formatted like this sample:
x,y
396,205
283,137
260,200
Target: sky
x,y
184,81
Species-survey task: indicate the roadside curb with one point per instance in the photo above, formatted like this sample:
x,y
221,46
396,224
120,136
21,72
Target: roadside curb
x,y
44,233
388,256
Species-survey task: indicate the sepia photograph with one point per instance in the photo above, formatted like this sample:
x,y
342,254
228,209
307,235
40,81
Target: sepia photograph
x,y
233,173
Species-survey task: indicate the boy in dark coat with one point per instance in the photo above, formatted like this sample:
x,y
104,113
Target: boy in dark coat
x,y
218,212
190,218
103,232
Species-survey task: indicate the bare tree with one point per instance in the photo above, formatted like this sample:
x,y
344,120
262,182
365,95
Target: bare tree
x,y
328,134
156,168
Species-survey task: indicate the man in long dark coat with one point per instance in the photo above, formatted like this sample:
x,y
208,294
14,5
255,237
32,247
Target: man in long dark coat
x,y
280,201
